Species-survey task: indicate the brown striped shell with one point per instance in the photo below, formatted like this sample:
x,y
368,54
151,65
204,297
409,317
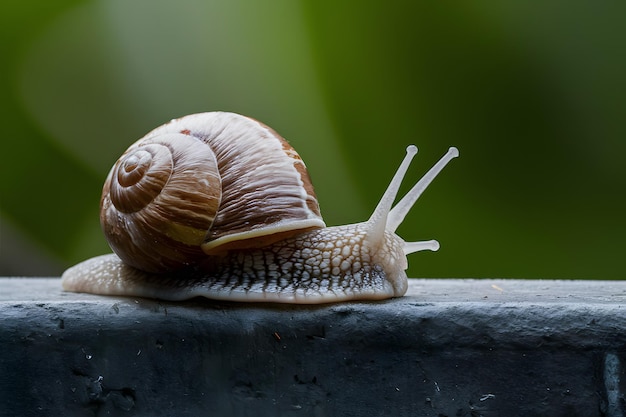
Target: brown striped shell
x,y
203,184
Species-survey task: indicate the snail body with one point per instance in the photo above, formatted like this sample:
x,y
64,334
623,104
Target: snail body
x,y
219,205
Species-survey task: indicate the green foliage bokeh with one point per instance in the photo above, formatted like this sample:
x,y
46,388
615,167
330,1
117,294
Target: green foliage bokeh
x,y
531,93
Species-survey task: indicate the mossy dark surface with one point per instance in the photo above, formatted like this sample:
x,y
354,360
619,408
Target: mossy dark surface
x,y
448,348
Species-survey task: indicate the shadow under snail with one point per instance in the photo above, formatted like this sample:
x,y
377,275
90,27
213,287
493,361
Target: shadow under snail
x,y
218,205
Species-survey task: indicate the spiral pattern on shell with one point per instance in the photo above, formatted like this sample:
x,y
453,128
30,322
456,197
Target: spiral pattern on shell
x,y
153,220
203,184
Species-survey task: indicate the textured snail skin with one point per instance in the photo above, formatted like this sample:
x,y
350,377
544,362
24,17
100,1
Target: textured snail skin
x,y
321,266
286,256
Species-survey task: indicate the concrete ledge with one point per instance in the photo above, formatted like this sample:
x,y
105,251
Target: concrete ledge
x,y
448,348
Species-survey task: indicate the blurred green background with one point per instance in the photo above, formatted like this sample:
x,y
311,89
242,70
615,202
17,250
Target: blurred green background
x,y
532,93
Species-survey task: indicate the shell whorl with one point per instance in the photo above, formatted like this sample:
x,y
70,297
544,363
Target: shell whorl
x,y
158,202
203,183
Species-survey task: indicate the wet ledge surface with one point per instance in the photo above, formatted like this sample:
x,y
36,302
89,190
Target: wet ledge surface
x,y
448,348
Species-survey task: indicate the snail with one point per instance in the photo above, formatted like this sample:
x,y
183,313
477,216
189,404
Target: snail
x,y
218,205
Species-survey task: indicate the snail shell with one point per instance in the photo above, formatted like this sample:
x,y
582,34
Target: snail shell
x,y
201,184
219,205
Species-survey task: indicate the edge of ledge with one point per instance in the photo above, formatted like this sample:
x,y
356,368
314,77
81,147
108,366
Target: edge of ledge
x,y
20,289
